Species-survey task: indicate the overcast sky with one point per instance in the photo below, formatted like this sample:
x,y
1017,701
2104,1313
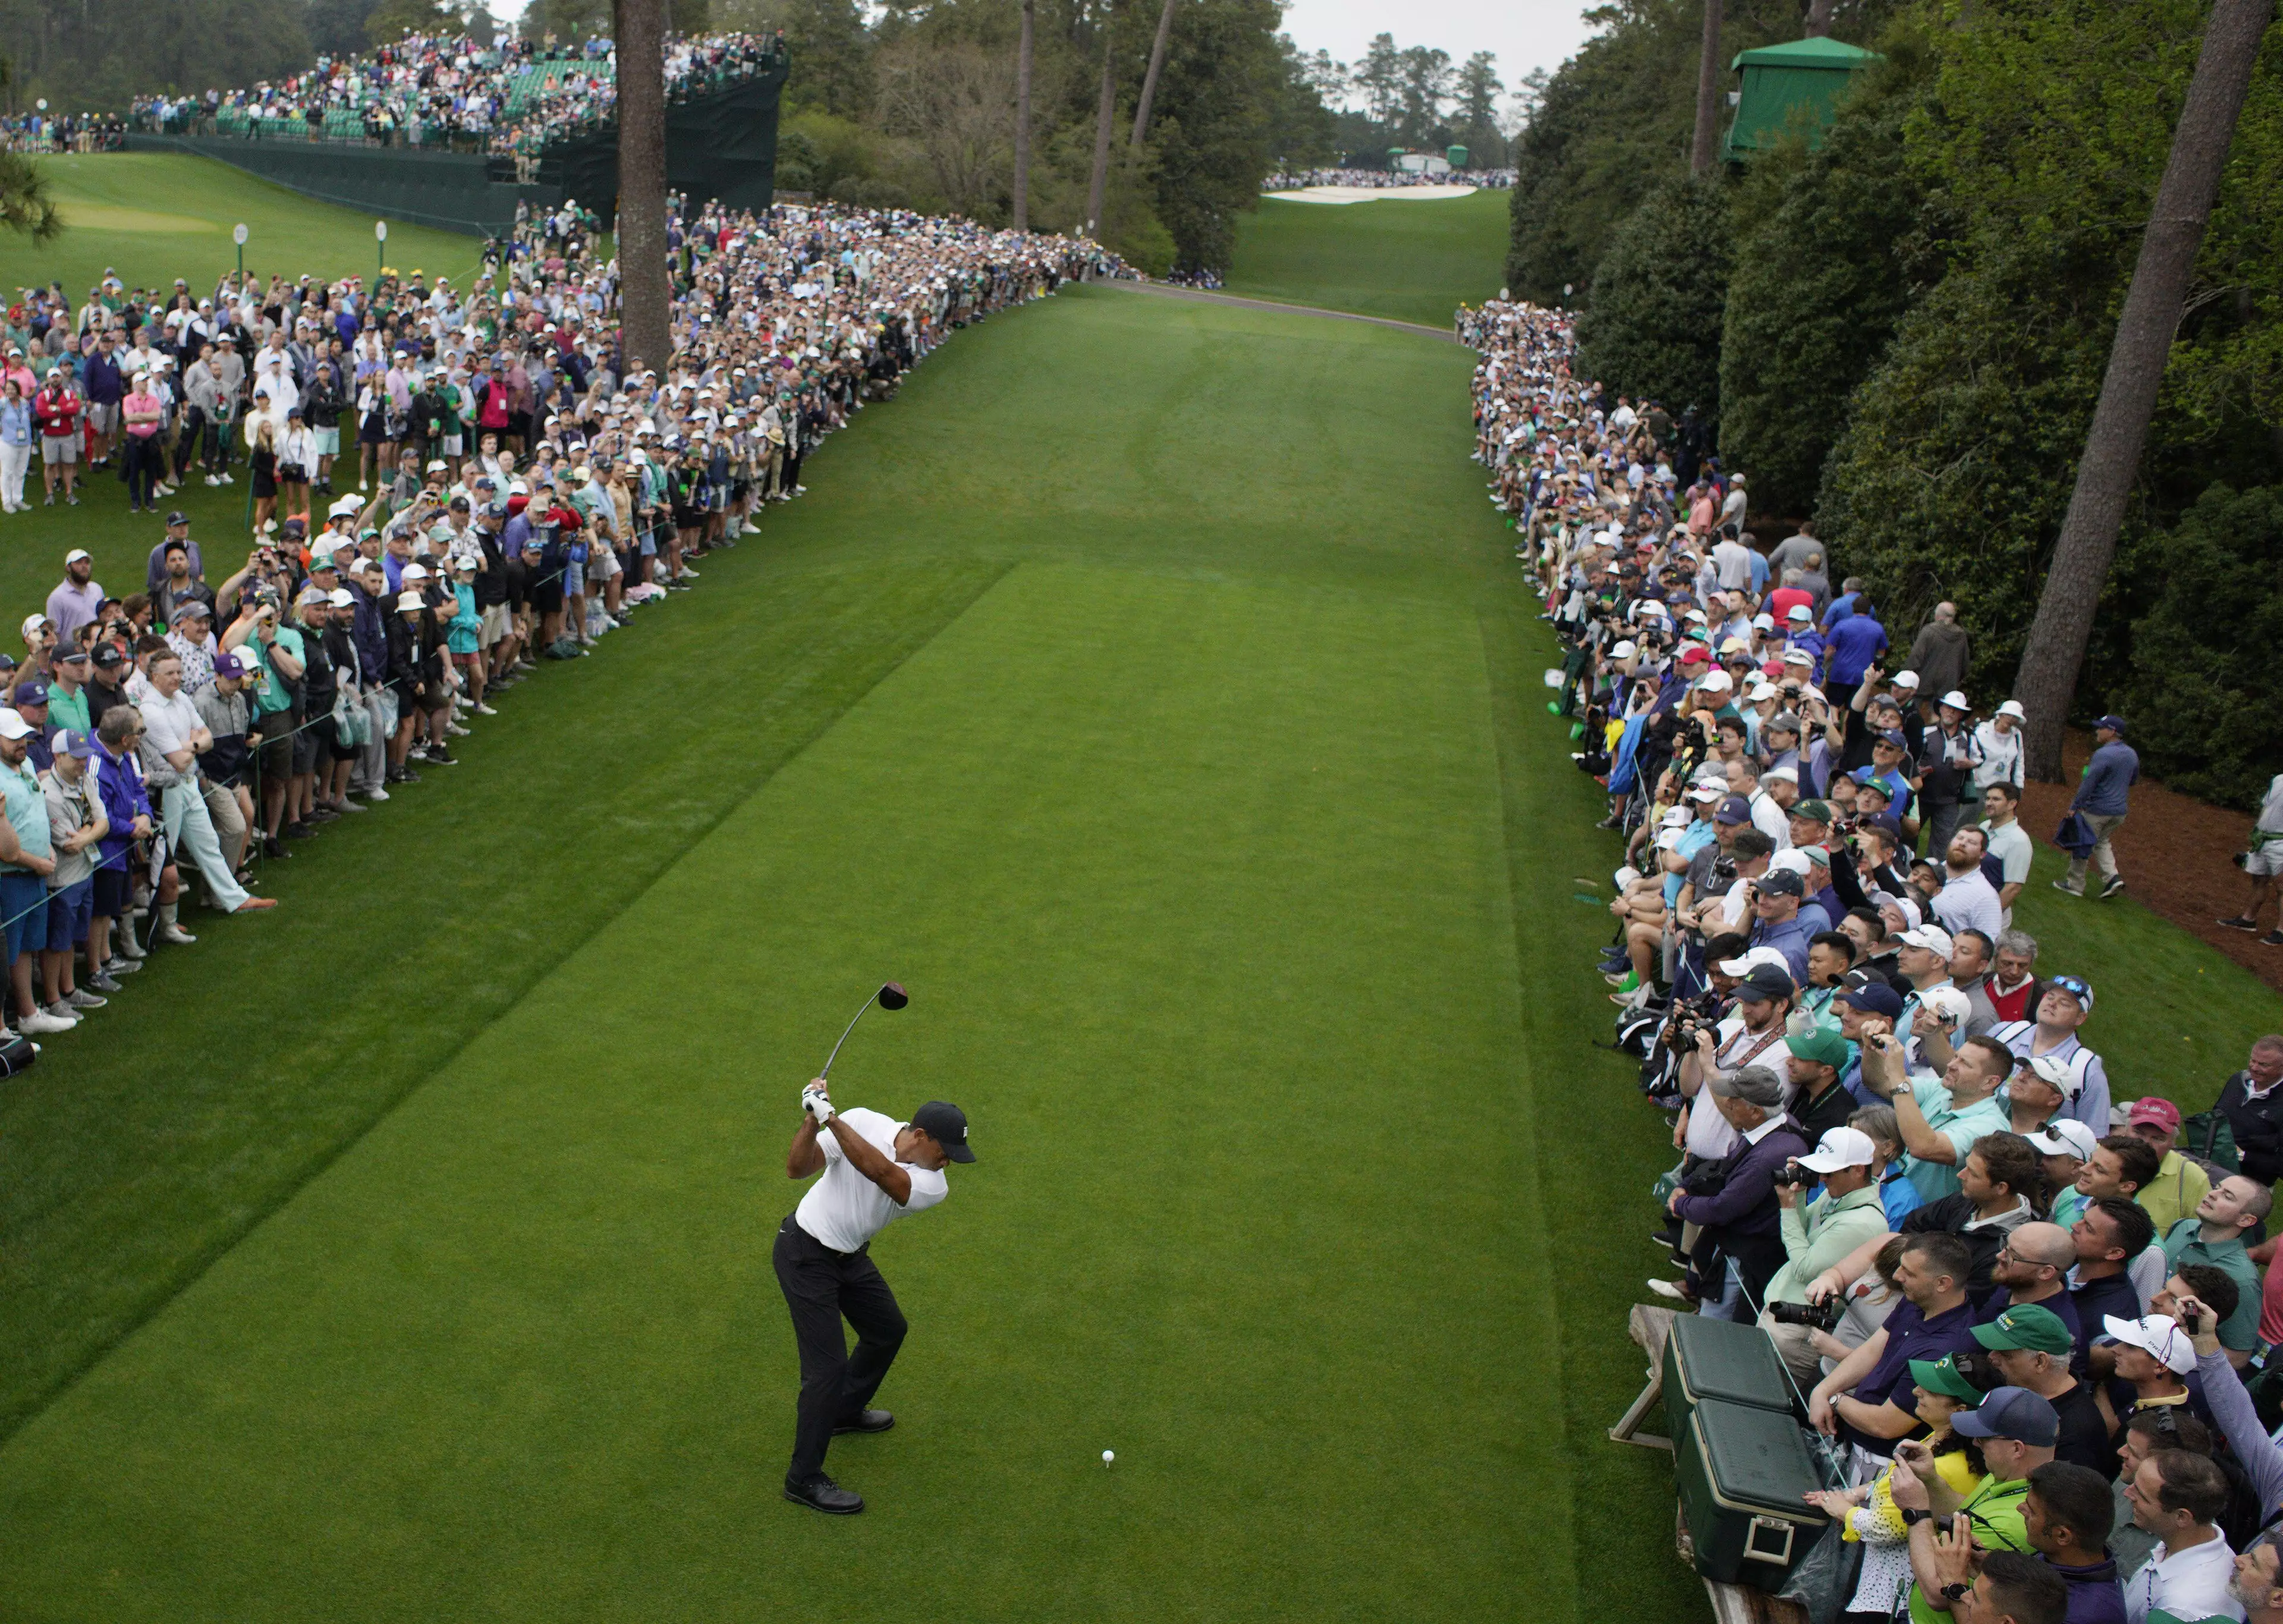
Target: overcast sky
x,y
1522,33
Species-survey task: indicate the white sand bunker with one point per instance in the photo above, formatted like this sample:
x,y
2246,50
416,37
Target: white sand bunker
x,y
1374,194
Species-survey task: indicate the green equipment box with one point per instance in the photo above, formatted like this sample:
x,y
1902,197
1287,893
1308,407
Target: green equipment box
x,y
1744,1473
1707,1358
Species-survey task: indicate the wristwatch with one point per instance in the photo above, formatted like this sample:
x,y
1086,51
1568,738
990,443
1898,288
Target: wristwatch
x,y
1913,1515
1956,1590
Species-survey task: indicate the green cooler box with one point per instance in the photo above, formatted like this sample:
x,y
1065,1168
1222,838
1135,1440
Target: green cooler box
x,y
1743,1472
1720,1359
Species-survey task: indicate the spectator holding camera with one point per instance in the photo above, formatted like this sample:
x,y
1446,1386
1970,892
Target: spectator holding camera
x,y
1818,1229
2213,1237
2016,1430
1866,1393
1732,1200
1941,1120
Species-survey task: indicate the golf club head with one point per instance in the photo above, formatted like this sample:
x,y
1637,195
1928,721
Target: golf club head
x,y
892,996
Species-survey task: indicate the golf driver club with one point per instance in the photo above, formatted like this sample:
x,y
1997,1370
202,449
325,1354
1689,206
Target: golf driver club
x,y
891,996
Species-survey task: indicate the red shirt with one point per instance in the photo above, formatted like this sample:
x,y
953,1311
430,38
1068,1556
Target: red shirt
x,y
2012,1005
57,412
1782,598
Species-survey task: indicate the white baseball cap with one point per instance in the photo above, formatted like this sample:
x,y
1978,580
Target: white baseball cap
x,y
1840,1147
1906,679
1934,938
2065,1137
2063,1076
1624,649
1946,1001
2160,1338
1752,960
1715,682
14,726
76,553
1791,859
1790,776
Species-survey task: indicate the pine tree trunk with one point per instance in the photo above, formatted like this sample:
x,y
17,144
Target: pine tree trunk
x,y
1708,93
2111,461
1149,78
1108,113
1819,19
1022,122
645,290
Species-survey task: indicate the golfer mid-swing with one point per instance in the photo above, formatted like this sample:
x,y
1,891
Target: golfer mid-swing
x,y
876,1170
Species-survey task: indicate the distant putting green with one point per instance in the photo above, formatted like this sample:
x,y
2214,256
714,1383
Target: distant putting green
x,y
1415,261
155,216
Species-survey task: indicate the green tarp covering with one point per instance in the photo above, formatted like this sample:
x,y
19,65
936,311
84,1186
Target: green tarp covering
x,y
1800,78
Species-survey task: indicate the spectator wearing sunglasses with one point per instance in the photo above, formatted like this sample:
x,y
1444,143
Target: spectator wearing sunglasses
x,y
2064,1004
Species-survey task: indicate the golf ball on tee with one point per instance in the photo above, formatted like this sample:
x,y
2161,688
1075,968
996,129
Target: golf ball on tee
x,y
1108,1455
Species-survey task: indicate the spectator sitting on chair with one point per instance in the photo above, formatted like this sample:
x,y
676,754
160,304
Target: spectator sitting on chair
x,y
2178,1497
1933,1320
1739,1247
1818,1229
2033,1349
2213,1237
2252,1101
2064,1004
2179,1185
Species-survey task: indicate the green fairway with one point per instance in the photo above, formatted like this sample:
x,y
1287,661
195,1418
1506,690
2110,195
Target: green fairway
x,y
1412,260
1182,813
156,216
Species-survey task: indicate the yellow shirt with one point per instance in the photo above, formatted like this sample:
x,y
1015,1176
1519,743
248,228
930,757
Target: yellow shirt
x,y
2178,1186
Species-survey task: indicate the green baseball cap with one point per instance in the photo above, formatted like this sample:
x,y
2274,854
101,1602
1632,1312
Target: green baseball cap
x,y
2028,1326
1819,1044
1814,812
1943,1376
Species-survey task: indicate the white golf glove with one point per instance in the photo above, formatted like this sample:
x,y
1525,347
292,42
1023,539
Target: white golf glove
x,y
813,1103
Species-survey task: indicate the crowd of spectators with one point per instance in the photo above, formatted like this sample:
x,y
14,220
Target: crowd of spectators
x,y
38,130
1998,1290
513,97
447,486
1296,180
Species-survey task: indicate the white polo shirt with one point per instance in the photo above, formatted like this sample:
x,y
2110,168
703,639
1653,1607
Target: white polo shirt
x,y
2191,1585
843,1209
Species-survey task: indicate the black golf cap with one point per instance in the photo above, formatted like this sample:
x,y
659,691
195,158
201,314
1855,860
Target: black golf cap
x,y
947,1124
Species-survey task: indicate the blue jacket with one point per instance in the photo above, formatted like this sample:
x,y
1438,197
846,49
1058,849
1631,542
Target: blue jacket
x,y
1853,644
369,631
2114,768
120,780
99,377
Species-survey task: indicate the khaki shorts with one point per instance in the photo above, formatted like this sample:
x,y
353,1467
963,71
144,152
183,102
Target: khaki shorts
x,y
2265,860
495,626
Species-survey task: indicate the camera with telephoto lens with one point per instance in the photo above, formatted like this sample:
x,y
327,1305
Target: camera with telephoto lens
x,y
1822,1317
1791,1175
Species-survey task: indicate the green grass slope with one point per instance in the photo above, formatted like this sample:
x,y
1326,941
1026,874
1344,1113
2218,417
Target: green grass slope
x,y
1413,261
1156,748
156,216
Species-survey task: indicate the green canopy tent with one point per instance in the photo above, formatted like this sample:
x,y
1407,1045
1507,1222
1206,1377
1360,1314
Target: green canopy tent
x,y
1781,80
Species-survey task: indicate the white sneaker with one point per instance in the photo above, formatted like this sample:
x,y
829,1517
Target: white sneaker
x,y
226,478
1667,1288
375,794
176,935
213,479
485,711
43,1024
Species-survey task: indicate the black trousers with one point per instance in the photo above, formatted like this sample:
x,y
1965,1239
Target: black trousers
x,y
821,1286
